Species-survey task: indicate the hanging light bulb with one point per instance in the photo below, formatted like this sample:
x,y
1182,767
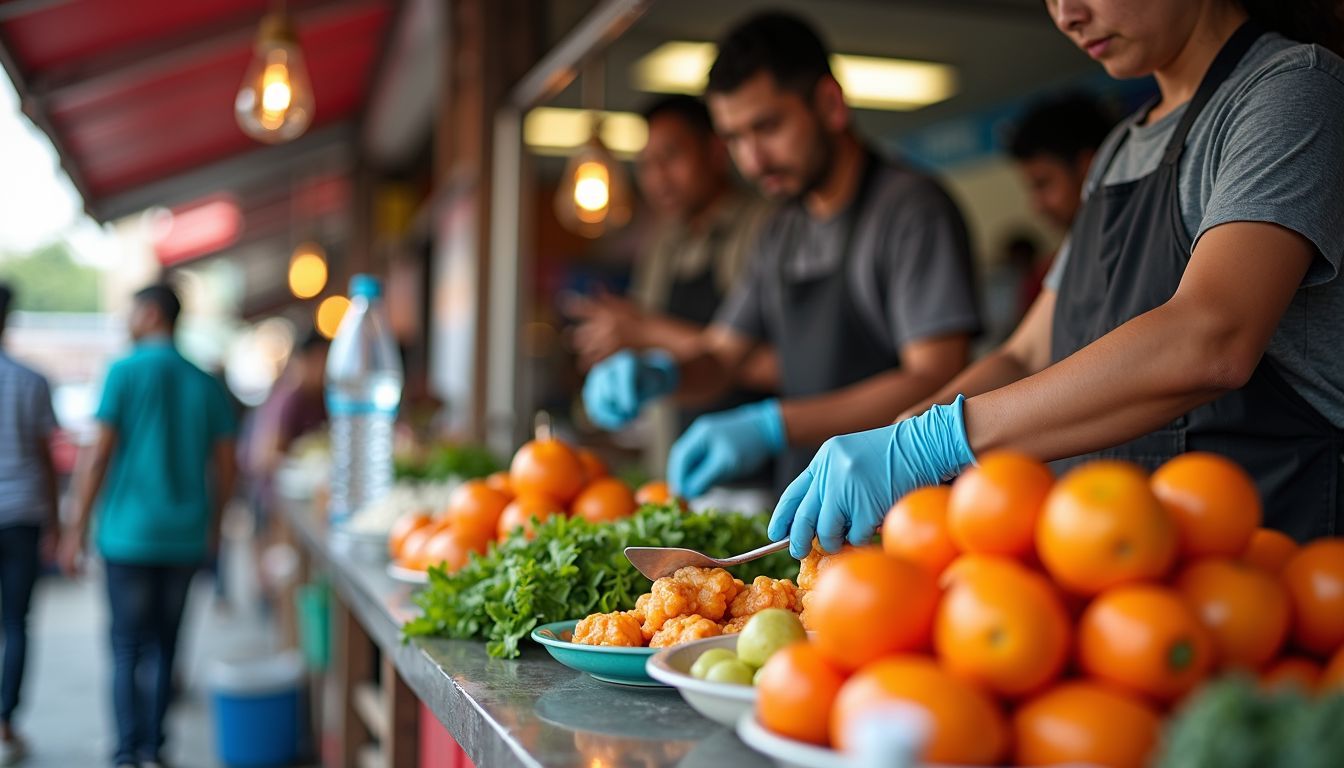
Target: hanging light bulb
x,y
594,193
275,101
307,270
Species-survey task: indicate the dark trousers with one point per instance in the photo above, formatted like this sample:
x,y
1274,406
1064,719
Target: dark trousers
x,y
146,603
19,565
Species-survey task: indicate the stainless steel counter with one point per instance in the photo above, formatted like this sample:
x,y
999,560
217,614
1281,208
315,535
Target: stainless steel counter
x,y
529,711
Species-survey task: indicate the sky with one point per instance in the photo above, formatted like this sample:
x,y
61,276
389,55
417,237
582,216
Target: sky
x,y
38,203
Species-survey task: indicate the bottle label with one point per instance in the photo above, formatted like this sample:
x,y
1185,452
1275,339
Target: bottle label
x,y
338,405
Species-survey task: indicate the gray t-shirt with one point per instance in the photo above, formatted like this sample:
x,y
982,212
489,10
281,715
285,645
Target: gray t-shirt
x,y
910,272
1268,147
26,424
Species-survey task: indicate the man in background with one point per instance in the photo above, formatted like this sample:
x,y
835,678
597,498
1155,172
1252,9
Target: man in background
x,y
161,469
27,519
860,284
1053,145
707,225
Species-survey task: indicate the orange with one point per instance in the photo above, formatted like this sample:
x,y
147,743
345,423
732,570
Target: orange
x,y
547,466
1305,674
499,481
1269,550
974,566
450,550
412,549
1245,609
1146,640
1088,724
916,528
520,513
1102,527
994,506
868,604
593,467
604,500
473,511
404,525
1213,500
1333,677
657,492
795,692
965,726
1315,580
1004,629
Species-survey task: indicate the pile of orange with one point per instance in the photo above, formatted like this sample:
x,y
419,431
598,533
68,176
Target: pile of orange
x,y
547,477
1038,621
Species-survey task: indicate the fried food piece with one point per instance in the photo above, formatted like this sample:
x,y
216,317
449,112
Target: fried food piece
x,y
715,588
684,629
690,591
804,597
642,607
669,599
763,593
810,568
613,629
736,625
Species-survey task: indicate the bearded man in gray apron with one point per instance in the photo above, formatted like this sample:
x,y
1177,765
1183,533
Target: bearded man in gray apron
x,y
861,284
1199,303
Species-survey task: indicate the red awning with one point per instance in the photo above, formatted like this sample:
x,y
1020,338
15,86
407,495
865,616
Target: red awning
x,y
139,92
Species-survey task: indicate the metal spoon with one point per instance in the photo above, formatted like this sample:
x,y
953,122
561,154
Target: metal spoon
x,y
657,562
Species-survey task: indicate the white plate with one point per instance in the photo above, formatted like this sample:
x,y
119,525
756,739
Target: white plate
x,y
787,753
407,575
724,703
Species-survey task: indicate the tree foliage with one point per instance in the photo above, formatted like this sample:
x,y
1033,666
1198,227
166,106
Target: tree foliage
x,y
48,279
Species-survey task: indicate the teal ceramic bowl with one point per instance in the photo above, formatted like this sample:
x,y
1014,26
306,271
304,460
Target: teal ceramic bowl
x,y
623,666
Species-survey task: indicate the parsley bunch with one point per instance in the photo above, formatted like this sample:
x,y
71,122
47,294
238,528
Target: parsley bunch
x,y
573,568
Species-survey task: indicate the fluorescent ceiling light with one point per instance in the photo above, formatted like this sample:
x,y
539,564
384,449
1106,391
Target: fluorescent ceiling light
x,y
870,82
557,131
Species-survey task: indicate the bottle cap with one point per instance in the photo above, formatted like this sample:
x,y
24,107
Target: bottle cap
x,y
366,286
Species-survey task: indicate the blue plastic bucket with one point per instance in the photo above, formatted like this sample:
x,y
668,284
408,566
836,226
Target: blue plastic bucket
x,y
257,706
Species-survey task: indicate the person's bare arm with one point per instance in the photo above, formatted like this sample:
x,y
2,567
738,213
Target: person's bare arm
x,y
89,482
760,371
1025,352
714,366
925,365
1205,341
51,527
609,323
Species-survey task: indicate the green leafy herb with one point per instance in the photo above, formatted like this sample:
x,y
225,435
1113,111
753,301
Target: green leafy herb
x,y
573,568
1232,723
446,461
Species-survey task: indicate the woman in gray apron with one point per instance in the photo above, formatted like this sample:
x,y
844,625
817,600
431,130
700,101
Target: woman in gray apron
x,y
1200,303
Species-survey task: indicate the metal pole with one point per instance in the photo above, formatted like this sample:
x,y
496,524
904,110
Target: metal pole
x,y
512,257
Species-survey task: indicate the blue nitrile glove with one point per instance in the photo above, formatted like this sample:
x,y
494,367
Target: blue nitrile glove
x,y
618,387
854,479
724,446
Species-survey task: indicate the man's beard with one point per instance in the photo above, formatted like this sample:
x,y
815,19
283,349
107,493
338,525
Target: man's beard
x,y
816,173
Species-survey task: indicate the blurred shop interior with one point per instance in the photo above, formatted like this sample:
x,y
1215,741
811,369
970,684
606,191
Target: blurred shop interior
x,y
440,136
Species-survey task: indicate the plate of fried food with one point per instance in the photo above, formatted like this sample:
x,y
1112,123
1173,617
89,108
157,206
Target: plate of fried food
x,y
692,604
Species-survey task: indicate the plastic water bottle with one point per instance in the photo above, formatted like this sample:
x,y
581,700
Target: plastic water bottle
x,y
363,390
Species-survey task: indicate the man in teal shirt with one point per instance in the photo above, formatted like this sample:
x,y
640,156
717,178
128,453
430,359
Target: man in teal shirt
x,y
161,469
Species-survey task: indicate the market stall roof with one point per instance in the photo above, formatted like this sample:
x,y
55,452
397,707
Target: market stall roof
x,y
137,96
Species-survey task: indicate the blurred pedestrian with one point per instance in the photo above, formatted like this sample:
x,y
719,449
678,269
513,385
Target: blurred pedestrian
x,y
162,467
28,520
295,407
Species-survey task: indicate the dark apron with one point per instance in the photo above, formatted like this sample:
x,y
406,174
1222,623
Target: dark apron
x,y
1128,250
822,342
696,299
